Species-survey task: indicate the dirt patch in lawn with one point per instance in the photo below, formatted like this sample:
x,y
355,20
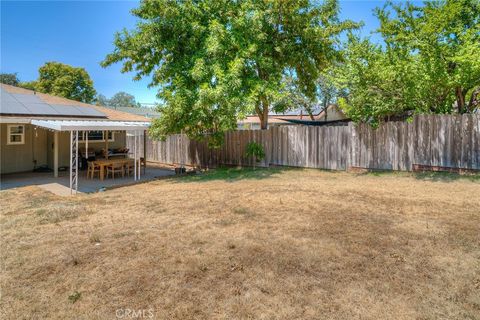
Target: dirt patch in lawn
x,y
264,244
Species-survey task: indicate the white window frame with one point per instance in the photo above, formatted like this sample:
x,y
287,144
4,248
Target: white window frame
x,y
9,134
81,137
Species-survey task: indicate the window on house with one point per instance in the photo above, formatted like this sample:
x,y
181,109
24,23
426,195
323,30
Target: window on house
x,y
95,136
16,134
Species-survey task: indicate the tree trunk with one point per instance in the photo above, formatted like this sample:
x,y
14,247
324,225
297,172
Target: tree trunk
x,y
325,108
309,111
264,114
460,100
474,100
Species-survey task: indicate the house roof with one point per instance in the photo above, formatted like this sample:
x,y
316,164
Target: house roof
x,y
285,117
141,111
319,123
45,106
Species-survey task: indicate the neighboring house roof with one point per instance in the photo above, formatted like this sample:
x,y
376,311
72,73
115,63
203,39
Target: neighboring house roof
x,y
319,123
283,118
38,105
141,111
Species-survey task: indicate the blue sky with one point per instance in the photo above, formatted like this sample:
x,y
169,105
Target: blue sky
x,y
80,33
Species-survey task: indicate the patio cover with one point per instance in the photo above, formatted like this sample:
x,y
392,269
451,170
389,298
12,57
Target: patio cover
x,y
74,126
90,125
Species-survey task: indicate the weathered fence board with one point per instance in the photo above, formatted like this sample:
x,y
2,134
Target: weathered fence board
x,y
429,140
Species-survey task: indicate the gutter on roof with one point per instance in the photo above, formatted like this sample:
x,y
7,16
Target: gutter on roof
x,y
14,120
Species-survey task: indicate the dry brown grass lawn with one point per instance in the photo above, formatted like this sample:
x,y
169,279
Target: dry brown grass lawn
x,y
270,244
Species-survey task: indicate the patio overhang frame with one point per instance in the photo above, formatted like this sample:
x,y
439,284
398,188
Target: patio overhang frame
x,y
91,125
73,126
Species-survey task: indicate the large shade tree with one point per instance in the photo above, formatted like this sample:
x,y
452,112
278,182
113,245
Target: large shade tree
x,y
123,99
217,60
429,63
119,99
65,81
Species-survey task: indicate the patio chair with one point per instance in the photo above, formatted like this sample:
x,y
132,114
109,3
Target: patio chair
x,y
129,168
115,168
92,169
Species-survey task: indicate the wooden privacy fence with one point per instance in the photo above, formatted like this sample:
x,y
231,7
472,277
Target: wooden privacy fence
x,y
429,140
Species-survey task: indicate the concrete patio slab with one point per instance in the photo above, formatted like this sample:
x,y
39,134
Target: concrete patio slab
x,y
61,185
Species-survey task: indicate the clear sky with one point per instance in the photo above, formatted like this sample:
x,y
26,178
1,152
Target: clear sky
x,y
80,33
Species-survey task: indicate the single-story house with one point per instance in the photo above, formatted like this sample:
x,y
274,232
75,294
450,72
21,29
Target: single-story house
x,y
252,122
43,131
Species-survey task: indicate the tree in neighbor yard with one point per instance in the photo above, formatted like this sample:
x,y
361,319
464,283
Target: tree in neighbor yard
x,y
101,100
430,62
119,99
219,60
65,81
123,99
294,98
13,80
9,78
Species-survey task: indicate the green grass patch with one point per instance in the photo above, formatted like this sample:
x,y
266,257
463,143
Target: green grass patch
x,y
230,174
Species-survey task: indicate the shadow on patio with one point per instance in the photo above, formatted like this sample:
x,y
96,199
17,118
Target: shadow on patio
x,y
61,185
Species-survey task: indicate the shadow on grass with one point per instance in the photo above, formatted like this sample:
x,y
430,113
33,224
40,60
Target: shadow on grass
x,y
429,176
233,174
230,174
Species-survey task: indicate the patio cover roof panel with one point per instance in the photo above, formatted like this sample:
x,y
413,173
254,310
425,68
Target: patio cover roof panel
x,y
90,125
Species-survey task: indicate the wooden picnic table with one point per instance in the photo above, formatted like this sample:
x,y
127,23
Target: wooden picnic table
x,y
103,163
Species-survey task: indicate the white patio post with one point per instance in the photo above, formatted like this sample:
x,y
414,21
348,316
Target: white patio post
x,y
55,154
135,155
106,143
73,161
86,145
76,161
145,150
139,161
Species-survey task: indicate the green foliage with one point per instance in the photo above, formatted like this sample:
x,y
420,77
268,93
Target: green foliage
x,y
255,150
294,98
65,81
101,100
30,85
430,62
219,60
12,79
123,99
119,99
9,78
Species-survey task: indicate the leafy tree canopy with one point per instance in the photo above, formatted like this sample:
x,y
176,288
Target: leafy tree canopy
x,y
430,62
65,81
217,60
101,100
123,99
9,78
119,99
13,80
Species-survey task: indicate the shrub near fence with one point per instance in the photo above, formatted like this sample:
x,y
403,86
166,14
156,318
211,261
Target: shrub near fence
x,y
429,140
